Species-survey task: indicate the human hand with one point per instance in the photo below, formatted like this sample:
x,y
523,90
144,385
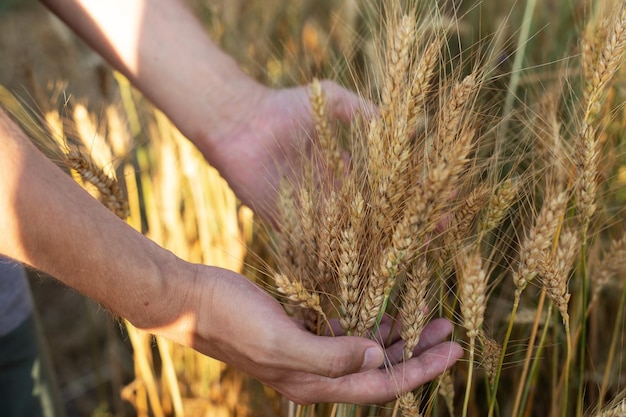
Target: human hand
x,y
269,137
238,323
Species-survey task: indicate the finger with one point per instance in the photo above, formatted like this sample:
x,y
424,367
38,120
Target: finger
x,y
433,334
330,356
344,105
383,385
388,331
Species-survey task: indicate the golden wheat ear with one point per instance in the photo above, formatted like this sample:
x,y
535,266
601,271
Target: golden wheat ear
x,y
111,194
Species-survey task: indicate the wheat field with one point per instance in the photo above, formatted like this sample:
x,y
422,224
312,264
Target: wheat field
x,y
486,188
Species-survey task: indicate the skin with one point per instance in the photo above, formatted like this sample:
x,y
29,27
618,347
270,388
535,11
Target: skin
x,y
251,134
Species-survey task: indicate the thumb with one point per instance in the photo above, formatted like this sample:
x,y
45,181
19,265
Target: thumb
x,y
335,356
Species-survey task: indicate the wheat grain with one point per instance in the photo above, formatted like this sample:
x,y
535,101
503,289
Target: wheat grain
x,y
296,292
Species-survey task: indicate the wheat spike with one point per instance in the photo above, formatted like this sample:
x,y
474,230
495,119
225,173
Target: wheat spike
x,y
409,405
613,262
421,81
617,410
539,239
328,241
473,287
452,115
498,205
414,307
490,356
588,160
556,269
110,193
609,57
296,292
349,263
397,64
331,154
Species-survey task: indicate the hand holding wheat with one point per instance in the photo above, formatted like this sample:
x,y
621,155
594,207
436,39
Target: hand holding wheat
x,y
269,140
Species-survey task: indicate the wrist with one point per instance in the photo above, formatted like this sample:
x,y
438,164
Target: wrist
x,y
167,299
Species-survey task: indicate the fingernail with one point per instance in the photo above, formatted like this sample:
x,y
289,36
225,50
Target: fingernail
x,y
373,359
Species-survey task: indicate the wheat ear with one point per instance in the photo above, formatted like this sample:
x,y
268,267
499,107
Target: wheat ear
x,y
613,262
555,270
498,205
539,239
414,306
409,405
331,154
295,291
349,265
110,192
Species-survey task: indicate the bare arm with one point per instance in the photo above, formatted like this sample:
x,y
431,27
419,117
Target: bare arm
x,y
252,134
49,222
246,131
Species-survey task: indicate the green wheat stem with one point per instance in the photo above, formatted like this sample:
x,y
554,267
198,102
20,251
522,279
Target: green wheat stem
x,y
582,344
509,330
470,371
568,361
617,335
535,364
524,381
516,70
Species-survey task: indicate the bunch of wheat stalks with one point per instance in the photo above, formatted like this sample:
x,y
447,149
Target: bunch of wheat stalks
x,y
441,207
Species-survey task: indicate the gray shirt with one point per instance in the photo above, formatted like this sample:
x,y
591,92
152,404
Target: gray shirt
x,y
15,300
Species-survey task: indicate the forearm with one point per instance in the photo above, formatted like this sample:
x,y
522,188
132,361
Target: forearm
x,y
49,222
162,48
